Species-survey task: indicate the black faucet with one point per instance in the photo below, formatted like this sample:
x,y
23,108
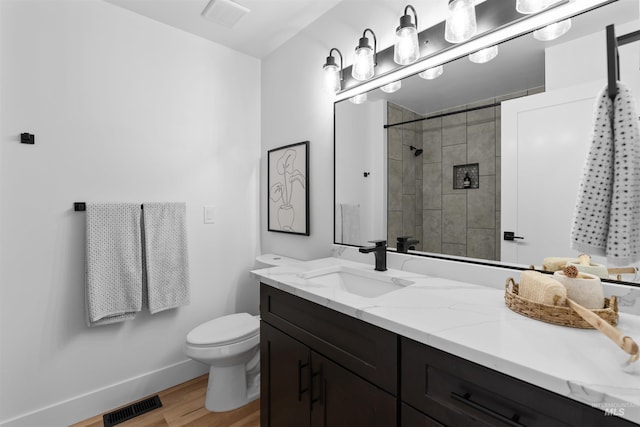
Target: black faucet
x,y
405,243
380,252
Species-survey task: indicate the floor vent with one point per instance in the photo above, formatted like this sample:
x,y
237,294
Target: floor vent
x,y
123,414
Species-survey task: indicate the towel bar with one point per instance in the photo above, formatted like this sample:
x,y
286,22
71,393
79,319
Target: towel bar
x,y
82,206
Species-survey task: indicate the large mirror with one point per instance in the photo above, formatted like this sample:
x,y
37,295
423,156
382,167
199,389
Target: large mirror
x,y
458,162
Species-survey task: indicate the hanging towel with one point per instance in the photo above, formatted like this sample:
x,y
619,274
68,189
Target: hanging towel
x,y
113,290
350,220
165,253
607,215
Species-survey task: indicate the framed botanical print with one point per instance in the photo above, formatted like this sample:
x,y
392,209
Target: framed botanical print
x,y
288,183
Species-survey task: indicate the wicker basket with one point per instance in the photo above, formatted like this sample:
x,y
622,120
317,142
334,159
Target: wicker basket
x,y
558,315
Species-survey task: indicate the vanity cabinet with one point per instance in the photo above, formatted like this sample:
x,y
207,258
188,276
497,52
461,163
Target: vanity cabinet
x,y
322,368
458,392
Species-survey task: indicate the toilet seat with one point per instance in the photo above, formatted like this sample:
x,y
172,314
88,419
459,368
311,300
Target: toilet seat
x,y
225,330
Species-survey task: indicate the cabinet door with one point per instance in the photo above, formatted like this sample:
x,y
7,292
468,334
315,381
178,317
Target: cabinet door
x,y
409,417
285,375
341,398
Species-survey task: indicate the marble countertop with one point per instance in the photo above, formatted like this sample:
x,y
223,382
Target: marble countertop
x,y
472,322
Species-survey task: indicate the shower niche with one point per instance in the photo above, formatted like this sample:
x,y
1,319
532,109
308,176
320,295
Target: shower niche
x,y
466,177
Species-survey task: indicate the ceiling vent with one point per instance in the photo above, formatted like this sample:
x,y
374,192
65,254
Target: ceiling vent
x,y
224,12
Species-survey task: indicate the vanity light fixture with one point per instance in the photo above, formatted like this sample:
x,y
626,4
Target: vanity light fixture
x,y
359,99
332,75
460,24
484,55
364,60
528,7
406,49
392,87
552,31
432,73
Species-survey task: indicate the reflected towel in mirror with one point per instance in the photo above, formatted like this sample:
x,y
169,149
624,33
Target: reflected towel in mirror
x,y
349,222
607,214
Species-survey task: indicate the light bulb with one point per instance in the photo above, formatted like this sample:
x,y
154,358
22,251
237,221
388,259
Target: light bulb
x,y
432,73
331,79
406,49
461,23
484,55
358,99
527,7
391,87
552,31
363,63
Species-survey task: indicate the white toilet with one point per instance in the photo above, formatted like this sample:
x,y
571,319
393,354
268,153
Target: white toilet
x,y
230,345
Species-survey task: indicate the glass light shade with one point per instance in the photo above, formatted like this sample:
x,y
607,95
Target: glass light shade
x,y
552,31
406,49
359,99
392,87
363,64
461,23
432,73
484,55
331,79
528,7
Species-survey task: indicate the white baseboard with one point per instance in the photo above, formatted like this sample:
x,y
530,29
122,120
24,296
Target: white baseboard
x,y
107,398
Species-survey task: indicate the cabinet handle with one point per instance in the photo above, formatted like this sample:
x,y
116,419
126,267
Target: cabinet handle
x,y
466,399
301,390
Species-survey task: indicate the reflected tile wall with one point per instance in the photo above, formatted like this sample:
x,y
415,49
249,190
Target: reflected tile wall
x,y
421,199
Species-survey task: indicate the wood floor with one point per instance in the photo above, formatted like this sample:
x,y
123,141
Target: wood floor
x,y
183,405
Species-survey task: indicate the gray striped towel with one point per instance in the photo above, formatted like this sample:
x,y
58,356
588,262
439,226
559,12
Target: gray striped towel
x,y
113,290
165,252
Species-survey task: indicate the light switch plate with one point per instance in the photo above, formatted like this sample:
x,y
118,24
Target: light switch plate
x,y
209,214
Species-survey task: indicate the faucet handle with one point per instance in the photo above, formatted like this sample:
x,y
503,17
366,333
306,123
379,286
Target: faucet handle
x,y
378,242
403,238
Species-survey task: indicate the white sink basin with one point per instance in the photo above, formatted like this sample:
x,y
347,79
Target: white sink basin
x,y
364,283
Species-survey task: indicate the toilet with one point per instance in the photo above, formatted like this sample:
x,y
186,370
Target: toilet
x,y
230,345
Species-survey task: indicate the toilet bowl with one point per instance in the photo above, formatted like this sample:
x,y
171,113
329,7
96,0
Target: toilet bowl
x,y
230,345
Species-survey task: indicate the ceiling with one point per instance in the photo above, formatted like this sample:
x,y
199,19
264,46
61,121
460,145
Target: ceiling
x,y
268,25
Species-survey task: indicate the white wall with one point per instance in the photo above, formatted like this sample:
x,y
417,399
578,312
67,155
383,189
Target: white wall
x,y
123,109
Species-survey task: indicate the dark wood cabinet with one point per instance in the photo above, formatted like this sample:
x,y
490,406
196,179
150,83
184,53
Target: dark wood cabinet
x,y
311,378
455,391
285,379
320,367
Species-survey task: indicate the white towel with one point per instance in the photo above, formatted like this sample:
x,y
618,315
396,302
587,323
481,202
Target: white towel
x,y
113,290
607,216
350,220
165,251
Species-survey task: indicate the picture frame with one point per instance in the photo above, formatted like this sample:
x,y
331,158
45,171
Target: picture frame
x,y
288,189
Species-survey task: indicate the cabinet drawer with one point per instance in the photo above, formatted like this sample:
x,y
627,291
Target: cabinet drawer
x,y
447,387
366,350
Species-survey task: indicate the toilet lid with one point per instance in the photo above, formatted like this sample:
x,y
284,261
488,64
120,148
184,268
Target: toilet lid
x,y
225,330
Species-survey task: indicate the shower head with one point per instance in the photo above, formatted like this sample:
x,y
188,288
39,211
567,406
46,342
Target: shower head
x,y
418,150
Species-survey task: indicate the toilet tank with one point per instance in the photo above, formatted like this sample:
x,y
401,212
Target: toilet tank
x,y
273,260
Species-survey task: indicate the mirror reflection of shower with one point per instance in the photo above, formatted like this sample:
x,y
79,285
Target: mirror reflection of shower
x,y
418,150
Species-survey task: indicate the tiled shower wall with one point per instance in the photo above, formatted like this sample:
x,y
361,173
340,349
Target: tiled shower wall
x,y
421,199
